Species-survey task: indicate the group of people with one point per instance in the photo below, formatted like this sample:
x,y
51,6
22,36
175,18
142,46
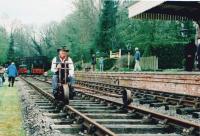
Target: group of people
x,y
101,61
191,52
11,72
192,55
57,64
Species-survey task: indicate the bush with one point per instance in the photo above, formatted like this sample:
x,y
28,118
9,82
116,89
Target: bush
x,y
78,65
122,64
109,63
169,55
123,61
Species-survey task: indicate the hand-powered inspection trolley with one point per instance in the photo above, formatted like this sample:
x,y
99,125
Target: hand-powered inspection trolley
x,y
64,88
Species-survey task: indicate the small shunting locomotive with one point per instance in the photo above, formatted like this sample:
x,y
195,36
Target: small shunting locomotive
x,y
33,65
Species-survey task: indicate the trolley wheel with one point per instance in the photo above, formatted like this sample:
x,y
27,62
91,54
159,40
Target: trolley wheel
x,y
66,93
127,97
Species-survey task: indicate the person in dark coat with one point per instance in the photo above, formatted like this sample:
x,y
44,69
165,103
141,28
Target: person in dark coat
x,y
190,51
12,73
198,54
1,76
93,62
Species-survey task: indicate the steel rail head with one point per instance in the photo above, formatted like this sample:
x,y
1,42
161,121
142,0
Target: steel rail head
x,y
50,97
170,120
102,129
157,94
156,91
186,125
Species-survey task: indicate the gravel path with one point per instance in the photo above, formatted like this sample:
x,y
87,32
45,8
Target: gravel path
x,y
35,124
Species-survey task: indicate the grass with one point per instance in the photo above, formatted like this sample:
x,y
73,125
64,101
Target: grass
x,y
10,112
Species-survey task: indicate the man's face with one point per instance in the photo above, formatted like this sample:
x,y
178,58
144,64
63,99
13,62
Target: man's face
x,y
62,54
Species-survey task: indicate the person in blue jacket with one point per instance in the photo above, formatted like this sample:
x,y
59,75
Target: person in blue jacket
x,y
137,60
12,73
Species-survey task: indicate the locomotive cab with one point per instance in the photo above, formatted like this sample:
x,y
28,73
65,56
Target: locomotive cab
x,y
22,69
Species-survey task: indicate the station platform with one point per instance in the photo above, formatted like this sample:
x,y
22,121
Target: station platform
x,y
187,83
10,112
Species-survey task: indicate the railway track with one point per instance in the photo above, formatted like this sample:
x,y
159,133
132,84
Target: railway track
x,y
183,104
177,105
96,115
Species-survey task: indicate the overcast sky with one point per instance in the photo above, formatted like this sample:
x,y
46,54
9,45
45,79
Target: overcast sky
x,y
36,12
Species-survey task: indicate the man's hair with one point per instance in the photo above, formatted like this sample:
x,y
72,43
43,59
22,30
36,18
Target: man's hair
x,y
62,51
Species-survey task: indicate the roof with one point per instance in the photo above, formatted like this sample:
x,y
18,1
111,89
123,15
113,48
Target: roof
x,y
165,10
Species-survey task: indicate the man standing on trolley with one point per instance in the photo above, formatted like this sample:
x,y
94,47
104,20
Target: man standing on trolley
x,y
58,68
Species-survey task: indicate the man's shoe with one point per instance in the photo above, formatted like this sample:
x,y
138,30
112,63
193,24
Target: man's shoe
x,y
9,85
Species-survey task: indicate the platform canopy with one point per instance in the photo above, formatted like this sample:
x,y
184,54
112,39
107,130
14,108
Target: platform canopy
x,y
165,10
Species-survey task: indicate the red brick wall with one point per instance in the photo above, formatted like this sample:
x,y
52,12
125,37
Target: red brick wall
x,y
184,83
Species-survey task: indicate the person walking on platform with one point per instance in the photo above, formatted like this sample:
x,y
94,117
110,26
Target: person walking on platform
x,y
1,81
101,64
2,78
198,54
137,60
12,73
93,62
61,58
190,51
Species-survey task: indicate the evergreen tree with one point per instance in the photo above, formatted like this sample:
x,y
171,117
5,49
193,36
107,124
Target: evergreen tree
x,y
3,45
107,39
11,54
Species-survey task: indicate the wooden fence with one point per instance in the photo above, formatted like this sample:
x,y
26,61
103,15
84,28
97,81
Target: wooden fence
x,y
149,63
